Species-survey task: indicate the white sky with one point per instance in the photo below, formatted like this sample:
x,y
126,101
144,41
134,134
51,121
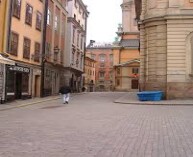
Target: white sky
x,y
103,20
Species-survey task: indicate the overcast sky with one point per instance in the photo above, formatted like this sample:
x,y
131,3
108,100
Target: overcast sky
x,y
103,20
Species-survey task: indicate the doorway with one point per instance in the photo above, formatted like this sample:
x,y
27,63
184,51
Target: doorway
x,y
134,84
37,86
18,85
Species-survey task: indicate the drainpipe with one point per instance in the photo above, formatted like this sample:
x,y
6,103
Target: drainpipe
x,y
6,46
42,94
9,22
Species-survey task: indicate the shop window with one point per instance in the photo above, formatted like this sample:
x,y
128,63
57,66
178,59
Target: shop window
x,y
10,86
25,83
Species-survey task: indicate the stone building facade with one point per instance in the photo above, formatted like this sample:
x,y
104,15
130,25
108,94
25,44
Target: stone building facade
x,y
166,40
76,41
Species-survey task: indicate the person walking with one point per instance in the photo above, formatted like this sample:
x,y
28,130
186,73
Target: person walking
x,y
65,91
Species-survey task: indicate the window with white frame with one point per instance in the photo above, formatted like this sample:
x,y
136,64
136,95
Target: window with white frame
x,y
49,17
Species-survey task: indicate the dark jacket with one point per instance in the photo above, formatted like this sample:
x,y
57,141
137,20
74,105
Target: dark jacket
x,y
65,90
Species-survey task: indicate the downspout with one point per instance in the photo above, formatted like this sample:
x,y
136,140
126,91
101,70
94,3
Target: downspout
x,y
6,46
85,46
9,22
42,94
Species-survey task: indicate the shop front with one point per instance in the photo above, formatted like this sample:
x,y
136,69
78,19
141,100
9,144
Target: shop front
x,y
17,82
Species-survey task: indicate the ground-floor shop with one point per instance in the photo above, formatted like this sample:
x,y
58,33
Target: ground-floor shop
x,y
22,81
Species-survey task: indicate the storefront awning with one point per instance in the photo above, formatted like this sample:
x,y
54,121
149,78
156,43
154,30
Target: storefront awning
x,y
4,60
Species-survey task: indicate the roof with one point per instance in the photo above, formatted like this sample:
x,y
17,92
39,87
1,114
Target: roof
x,y
128,62
129,43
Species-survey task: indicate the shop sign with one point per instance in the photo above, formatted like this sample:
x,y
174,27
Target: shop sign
x,y
19,69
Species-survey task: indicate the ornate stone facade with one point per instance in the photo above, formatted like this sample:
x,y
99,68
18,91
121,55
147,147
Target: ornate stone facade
x,y
166,33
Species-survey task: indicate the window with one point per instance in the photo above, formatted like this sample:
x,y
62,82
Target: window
x,y
111,57
38,21
26,48
118,82
135,22
63,27
93,56
14,43
118,71
101,74
37,52
102,65
76,5
82,42
102,58
135,70
56,23
49,17
16,8
78,38
28,14
73,35
48,50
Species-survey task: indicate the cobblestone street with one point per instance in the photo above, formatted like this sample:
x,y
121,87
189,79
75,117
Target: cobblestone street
x,y
91,125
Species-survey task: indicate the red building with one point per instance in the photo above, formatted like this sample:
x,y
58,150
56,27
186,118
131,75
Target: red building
x,y
103,56
55,46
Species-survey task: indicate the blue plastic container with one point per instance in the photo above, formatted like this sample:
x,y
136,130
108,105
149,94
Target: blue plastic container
x,y
150,95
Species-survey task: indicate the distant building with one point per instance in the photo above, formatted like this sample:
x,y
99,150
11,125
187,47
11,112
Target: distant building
x,y
166,35
102,54
76,41
89,74
125,51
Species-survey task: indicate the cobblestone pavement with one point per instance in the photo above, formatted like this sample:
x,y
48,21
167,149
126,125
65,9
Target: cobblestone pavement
x,y
93,126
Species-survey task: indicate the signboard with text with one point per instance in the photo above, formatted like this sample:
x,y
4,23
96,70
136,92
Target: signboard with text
x,y
19,69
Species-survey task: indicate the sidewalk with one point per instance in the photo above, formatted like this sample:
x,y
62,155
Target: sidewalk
x,y
131,98
27,102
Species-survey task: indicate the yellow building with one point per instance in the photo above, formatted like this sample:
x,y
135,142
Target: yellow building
x,y
125,50
3,24
25,38
89,71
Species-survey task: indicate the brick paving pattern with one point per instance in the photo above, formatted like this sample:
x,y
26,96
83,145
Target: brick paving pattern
x,y
93,126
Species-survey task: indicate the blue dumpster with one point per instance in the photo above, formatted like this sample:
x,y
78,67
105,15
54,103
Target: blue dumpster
x,y
150,95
